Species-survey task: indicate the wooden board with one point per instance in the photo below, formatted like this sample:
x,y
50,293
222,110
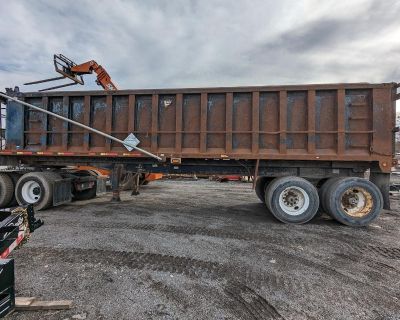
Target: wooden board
x,y
29,304
24,301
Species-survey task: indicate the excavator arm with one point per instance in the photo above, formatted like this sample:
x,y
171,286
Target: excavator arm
x,y
103,78
70,70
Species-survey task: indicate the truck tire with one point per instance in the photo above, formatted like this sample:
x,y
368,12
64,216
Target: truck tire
x,y
261,185
353,201
6,190
324,190
14,177
36,188
292,199
86,194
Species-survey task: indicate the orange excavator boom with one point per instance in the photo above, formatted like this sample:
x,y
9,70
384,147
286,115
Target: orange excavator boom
x,y
103,78
70,70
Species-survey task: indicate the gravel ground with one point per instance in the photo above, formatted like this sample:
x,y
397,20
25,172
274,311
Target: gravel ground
x,y
207,250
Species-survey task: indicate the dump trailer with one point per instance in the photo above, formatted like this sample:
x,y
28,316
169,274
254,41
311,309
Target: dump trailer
x,y
327,147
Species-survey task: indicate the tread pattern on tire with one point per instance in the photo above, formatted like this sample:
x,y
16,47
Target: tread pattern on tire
x,y
6,190
324,191
260,188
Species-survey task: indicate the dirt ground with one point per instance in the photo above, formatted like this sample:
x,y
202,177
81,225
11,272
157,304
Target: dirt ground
x,y
207,250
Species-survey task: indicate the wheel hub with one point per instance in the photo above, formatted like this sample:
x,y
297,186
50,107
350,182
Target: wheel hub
x,y
294,201
31,192
290,198
357,202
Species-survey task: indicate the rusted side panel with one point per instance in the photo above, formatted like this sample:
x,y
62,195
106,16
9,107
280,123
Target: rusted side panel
x,y
166,122
269,122
56,126
191,123
296,121
283,120
203,122
154,123
143,120
35,129
108,124
228,123
327,122
242,122
77,113
178,123
216,122
64,127
98,117
120,120
358,120
311,121
380,116
87,113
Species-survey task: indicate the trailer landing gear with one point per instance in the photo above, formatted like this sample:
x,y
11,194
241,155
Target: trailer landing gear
x,y
136,184
115,182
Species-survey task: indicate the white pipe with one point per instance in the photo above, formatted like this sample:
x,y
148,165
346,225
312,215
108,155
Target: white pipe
x,y
81,125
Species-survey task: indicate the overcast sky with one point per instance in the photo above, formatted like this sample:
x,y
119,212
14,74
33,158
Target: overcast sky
x,y
181,43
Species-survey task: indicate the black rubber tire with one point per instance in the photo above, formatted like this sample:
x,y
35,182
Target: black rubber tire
x,y
14,177
261,185
6,190
334,196
277,186
86,194
45,181
322,192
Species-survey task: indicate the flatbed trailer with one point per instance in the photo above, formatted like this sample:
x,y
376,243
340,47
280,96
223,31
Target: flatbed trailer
x,y
296,140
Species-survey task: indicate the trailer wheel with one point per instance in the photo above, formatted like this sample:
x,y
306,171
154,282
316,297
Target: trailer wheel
x,y
6,190
323,192
36,188
292,199
14,177
261,185
354,201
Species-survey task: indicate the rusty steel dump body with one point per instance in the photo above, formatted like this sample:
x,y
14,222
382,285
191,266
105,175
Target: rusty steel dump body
x,y
331,122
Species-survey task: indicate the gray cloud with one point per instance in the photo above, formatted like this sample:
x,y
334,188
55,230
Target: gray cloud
x,y
178,43
368,22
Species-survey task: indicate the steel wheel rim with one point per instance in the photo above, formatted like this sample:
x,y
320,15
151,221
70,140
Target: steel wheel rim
x,y
31,191
294,201
356,202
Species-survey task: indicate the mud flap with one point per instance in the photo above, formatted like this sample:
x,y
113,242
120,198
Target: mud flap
x,y
62,191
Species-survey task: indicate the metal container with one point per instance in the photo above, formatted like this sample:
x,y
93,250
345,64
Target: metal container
x,y
334,122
